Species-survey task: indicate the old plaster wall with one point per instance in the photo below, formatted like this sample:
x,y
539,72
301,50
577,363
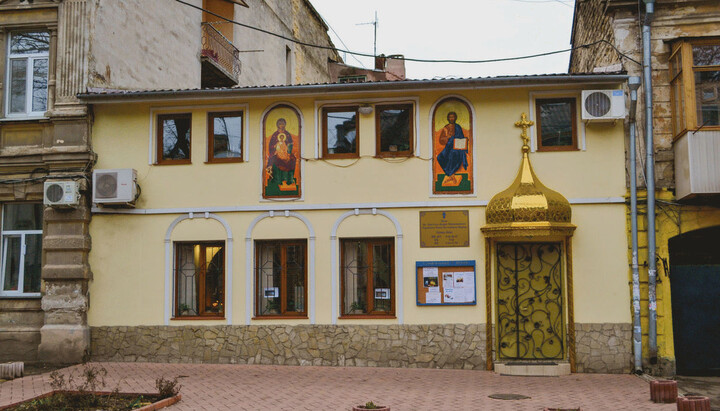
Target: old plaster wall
x,y
263,56
673,20
138,44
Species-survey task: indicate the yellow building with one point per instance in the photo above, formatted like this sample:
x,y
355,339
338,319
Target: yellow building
x,y
352,224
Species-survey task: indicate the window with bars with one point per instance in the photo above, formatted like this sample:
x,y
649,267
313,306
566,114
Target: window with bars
x,y
367,277
695,85
27,73
199,279
280,278
21,249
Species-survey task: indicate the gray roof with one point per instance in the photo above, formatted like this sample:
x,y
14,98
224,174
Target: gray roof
x,y
96,96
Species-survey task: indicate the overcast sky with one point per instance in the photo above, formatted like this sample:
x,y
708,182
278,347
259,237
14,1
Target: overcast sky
x,y
455,29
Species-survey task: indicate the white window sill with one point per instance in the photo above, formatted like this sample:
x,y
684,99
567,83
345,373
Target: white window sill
x,y
24,118
16,296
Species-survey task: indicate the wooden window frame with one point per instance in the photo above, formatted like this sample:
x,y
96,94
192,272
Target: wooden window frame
x,y
538,119
159,139
686,74
411,121
202,314
283,280
327,110
369,294
211,116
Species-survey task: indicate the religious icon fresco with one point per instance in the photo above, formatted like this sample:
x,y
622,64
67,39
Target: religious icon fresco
x,y
452,147
281,153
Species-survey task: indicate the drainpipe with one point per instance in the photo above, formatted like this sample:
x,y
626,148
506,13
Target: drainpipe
x,y
633,85
650,174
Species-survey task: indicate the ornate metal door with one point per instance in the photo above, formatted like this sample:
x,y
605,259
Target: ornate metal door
x,y
530,305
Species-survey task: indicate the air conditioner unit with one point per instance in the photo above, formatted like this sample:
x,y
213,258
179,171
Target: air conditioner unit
x,y
602,105
61,193
115,187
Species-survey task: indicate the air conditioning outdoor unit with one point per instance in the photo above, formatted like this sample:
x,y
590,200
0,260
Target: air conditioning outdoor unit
x,y
603,105
115,187
61,193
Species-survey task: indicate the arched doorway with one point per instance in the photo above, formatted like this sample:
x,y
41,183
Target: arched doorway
x,y
695,285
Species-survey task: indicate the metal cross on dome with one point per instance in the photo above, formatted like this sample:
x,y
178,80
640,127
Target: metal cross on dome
x,y
524,123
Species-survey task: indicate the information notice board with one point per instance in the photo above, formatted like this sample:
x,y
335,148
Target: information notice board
x,y
446,282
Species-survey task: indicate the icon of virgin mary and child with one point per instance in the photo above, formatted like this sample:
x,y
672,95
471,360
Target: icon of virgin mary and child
x,y
453,156
281,159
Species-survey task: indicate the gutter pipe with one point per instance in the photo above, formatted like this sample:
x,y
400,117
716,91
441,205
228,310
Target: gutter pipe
x,y
633,85
650,183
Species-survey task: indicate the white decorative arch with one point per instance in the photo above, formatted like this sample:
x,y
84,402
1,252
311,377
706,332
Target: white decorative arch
x,y
228,264
398,260
249,275
430,142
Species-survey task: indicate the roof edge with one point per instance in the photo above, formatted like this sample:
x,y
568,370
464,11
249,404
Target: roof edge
x,y
477,83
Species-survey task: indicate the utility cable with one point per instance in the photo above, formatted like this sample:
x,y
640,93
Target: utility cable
x,y
417,60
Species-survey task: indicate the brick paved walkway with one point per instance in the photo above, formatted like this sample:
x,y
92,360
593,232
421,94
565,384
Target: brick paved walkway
x,y
257,387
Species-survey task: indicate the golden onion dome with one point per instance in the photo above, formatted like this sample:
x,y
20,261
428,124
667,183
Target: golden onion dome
x,y
527,200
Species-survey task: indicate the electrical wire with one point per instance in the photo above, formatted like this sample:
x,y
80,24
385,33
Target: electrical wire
x,y
417,60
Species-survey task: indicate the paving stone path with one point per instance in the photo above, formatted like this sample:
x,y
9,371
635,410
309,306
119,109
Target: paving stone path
x,y
269,387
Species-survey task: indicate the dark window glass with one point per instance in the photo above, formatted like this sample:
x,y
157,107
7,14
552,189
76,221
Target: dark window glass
x,y
281,277
30,43
199,279
22,216
340,132
174,138
18,81
39,86
706,55
556,128
707,84
226,136
367,276
394,130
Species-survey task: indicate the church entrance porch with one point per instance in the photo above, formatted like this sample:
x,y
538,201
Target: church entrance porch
x,y
529,301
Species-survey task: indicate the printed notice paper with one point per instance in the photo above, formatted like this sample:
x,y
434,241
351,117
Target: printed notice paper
x,y
432,298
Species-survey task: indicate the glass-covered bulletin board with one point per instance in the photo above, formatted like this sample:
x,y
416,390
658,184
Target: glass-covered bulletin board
x,y
446,283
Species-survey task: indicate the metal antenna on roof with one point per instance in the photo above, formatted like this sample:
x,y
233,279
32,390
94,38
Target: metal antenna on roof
x,y
374,23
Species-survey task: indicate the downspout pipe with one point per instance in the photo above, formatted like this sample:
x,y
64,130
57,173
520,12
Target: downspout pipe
x,y
650,174
633,85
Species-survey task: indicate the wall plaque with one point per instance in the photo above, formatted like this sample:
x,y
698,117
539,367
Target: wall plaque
x,y
444,229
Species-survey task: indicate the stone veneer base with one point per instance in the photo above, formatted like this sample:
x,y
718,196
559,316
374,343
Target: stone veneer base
x,y
603,348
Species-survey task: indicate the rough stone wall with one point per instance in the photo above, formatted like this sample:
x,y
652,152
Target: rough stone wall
x,y
457,346
592,24
292,19
140,44
603,348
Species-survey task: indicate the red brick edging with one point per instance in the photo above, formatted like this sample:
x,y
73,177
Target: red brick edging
x,y
151,407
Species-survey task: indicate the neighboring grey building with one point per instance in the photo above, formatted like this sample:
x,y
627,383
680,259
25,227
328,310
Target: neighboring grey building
x,y
51,50
685,63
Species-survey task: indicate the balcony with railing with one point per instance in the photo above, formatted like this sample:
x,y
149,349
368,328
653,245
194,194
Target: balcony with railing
x,y
220,59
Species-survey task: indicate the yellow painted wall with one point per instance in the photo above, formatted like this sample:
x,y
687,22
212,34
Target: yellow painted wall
x,y
131,279
671,219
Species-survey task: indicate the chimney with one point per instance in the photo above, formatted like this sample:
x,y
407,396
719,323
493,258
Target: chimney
x,y
380,62
395,67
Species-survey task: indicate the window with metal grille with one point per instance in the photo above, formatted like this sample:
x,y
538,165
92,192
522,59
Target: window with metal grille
x,y
199,279
281,278
367,277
